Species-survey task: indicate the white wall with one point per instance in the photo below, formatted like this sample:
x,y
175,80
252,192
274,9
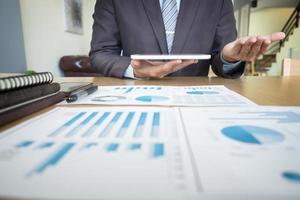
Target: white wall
x,y
293,44
269,20
44,36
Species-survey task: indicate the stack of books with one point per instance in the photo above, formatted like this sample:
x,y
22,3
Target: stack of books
x,y
26,94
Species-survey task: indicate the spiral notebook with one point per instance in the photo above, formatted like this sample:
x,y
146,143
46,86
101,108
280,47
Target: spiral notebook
x,y
17,82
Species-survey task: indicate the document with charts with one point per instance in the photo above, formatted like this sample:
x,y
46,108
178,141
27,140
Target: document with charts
x,y
246,152
153,153
166,96
103,153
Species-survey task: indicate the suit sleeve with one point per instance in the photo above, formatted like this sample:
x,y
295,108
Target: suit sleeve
x,y
225,33
106,46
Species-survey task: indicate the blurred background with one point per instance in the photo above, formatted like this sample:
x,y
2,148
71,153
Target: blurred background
x,y
54,35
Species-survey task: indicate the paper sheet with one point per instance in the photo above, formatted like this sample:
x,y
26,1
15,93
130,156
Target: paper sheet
x,y
166,96
103,153
154,153
242,151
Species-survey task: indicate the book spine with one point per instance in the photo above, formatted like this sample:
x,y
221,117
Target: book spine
x,y
16,82
14,97
30,108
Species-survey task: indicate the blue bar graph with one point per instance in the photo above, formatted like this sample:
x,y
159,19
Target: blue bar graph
x,y
111,124
45,145
76,129
24,144
98,123
67,124
89,145
140,126
155,125
282,117
129,90
54,159
112,147
126,124
135,146
158,150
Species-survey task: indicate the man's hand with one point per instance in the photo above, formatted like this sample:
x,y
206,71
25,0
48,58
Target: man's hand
x,y
147,69
249,48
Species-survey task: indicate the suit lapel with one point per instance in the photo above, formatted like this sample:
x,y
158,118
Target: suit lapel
x,y
187,13
153,11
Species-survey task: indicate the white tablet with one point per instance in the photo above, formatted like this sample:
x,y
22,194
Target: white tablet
x,y
171,57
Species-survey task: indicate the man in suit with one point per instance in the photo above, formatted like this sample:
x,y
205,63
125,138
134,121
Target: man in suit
x,y
125,27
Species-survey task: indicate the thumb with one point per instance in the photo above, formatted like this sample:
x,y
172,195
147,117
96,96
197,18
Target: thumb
x,y
136,63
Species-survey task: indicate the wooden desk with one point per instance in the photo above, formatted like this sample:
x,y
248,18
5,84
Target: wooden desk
x,y
275,91
280,91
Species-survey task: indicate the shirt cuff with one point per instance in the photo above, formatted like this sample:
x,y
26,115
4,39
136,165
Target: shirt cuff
x,y
227,66
129,72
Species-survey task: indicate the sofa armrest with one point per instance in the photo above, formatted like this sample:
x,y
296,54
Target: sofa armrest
x,y
77,66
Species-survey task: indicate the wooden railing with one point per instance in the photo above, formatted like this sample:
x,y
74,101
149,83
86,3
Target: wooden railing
x,y
270,55
288,29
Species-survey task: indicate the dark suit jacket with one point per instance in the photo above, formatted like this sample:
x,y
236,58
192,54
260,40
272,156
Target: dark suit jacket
x,y
136,27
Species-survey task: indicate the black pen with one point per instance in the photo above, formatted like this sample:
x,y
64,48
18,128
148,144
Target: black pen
x,y
82,93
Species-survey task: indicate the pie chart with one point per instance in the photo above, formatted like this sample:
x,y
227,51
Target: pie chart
x,y
152,99
202,92
292,176
252,134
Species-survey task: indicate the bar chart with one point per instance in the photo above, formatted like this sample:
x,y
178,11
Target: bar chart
x,y
114,147
128,89
282,117
202,90
110,124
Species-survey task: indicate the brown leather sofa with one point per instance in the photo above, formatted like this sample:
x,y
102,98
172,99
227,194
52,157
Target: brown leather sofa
x,y
77,66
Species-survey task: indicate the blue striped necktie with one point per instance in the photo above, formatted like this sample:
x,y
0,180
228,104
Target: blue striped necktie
x,y
170,14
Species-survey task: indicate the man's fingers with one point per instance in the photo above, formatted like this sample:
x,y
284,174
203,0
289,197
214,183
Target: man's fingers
x,y
184,64
156,63
136,63
160,71
232,50
235,47
265,46
274,37
246,48
171,67
255,50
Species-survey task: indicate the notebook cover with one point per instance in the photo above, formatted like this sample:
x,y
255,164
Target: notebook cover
x,y
14,97
32,107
